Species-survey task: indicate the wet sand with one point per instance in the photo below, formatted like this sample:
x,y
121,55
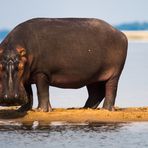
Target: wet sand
x,y
76,115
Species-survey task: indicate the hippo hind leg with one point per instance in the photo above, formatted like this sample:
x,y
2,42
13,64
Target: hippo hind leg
x,y
110,95
96,93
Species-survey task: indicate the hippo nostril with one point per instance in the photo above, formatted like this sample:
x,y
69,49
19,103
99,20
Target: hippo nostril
x,y
5,96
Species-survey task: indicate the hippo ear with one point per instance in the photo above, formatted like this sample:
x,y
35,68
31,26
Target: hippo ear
x,y
21,51
1,50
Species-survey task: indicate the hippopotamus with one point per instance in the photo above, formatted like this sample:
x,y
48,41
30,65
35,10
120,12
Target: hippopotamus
x,y
65,53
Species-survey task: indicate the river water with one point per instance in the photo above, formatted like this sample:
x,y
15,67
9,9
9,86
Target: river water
x,y
132,91
105,135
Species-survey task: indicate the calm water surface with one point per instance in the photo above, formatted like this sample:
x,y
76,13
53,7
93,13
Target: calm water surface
x,y
106,135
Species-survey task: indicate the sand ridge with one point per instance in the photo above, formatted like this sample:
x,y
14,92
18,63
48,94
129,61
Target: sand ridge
x,y
137,35
76,115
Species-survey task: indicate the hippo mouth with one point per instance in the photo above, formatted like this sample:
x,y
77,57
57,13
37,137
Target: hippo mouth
x,y
13,101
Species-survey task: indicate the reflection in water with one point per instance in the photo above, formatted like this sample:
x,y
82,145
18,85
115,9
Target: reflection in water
x,y
55,135
60,126
107,135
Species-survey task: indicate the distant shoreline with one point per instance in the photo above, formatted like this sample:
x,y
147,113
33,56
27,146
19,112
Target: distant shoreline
x,y
136,35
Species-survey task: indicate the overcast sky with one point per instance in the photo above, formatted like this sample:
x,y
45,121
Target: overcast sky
x,y
13,12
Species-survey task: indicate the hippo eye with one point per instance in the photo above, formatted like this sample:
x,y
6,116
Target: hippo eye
x,y
16,60
5,58
4,61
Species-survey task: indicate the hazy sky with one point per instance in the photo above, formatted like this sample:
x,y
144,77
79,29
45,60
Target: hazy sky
x,y
13,12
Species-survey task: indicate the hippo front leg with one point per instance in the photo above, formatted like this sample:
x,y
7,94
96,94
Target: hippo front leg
x,y
42,84
29,104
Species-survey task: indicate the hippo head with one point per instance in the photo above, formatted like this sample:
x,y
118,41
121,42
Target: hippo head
x,y
12,63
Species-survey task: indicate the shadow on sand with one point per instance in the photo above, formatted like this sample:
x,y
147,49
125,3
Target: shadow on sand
x,y
11,114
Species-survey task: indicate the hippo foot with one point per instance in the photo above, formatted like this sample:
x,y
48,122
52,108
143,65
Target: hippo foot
x,y
109,108
24,108
44,109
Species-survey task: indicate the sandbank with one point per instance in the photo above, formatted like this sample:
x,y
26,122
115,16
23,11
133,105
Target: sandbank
x,y
75,115
137,35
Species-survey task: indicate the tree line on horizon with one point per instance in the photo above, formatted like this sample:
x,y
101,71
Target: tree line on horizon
x,y
134,26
